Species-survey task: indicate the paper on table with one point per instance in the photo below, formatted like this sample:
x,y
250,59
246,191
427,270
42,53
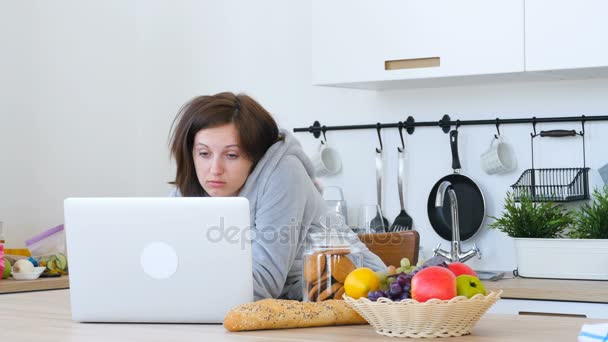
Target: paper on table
x,y
593,332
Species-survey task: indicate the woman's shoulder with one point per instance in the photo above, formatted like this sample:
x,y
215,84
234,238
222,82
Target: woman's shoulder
x,y
290,168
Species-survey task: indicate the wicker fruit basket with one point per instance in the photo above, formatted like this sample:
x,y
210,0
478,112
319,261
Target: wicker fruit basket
x,y
434,318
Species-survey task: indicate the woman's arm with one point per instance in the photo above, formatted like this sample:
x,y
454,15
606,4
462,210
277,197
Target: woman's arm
x,y
284,213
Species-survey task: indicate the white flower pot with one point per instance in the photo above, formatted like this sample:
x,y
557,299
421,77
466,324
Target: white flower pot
x,y
562,258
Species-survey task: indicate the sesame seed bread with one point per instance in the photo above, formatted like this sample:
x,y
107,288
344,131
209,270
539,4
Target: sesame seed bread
x,y
283,314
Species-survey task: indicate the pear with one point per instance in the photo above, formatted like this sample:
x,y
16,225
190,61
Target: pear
x,y
7,269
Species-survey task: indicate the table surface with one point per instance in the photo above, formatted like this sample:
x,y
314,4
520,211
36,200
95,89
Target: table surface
x,y
593,291
45,316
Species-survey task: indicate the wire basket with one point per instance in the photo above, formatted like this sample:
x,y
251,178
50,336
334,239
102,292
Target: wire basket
x,y
554,184
434,318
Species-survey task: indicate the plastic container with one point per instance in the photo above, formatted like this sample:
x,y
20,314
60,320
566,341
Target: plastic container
x,y
2,261
328,259
48,249
2,240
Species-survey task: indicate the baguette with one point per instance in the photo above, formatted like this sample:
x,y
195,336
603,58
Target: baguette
x,y
284,314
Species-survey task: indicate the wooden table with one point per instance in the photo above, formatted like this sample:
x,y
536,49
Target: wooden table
x,y
590,291
45,316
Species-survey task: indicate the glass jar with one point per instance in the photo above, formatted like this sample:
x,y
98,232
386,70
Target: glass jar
x,y
329,257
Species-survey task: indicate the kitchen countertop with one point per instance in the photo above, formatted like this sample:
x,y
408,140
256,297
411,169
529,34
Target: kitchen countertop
x,y
45,316
592,291
11,285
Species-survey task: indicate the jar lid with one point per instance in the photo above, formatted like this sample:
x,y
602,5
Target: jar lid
x,y
335,240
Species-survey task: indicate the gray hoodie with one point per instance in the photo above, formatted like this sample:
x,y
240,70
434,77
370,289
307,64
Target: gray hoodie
x,y
285,208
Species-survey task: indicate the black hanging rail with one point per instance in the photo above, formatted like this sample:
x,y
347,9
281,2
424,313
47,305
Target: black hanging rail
x,y
446,123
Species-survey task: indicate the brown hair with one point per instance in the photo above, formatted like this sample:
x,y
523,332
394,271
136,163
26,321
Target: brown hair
x,y
256,128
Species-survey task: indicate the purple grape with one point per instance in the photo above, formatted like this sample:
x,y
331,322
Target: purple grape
x,y
395,289
382,293
402,280
404,295
372,296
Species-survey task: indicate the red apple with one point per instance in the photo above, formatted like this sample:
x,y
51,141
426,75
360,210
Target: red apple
x,y
433,282
459,268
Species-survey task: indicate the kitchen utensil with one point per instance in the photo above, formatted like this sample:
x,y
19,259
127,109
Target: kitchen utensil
x,y
365,224
490,275
394,246
403,221
472,206
379,223
326,161
498,158
554,184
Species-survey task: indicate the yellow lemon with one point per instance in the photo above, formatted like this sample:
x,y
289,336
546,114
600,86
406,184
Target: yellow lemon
x,y
360,282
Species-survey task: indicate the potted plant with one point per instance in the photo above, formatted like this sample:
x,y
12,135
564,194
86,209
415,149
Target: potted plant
x,y
591,221
554,242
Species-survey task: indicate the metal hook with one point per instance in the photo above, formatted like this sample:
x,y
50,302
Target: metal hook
x,y
533,126
401,136
457,124
583,124
497,135
324,141
379,138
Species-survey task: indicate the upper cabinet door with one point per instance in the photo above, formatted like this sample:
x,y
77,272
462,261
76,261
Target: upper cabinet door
x,y
565,34
360,43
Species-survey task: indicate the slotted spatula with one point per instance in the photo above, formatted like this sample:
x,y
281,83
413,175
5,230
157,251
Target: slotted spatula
x,y
403,221
379,224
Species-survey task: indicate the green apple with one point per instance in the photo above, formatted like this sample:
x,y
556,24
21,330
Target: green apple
x,y
468,286
7,269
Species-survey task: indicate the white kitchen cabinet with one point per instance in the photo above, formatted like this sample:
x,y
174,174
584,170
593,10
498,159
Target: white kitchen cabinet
x,y
377,44
565,34
550,308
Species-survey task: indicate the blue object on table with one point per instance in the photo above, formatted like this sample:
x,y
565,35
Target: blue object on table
x,y
33,261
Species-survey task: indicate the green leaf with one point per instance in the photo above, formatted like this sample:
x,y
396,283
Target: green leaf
x,y
591,220
527,219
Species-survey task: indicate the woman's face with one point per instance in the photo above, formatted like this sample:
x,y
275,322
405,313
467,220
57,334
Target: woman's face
x,y
221,166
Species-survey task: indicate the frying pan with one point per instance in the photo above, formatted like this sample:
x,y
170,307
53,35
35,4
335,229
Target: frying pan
x,y
471,203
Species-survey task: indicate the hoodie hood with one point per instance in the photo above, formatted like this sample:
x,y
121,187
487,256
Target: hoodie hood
x,y
287,146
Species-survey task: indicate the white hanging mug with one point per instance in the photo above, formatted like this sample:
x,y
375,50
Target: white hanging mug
x,y
499,158
326,161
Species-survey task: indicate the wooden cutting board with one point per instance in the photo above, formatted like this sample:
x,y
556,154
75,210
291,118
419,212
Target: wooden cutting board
x,y
392,247
11,285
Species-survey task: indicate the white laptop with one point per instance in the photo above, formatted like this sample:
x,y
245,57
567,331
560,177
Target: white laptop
x,y
163,260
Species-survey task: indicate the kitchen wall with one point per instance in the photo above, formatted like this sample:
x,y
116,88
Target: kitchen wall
x,y
90,94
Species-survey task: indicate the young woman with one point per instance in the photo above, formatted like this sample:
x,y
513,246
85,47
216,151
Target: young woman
x,y
229,145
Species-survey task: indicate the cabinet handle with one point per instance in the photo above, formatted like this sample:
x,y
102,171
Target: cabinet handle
x,y
412,63
528,313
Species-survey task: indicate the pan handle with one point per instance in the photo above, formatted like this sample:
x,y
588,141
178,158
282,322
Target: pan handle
x,y
454,146
558,133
